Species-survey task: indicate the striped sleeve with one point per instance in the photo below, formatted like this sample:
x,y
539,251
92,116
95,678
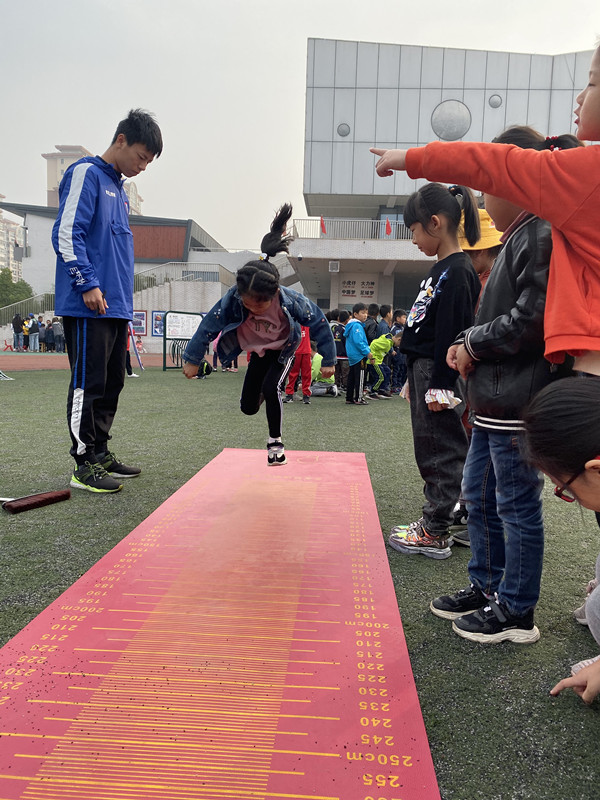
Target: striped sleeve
x,y
78,206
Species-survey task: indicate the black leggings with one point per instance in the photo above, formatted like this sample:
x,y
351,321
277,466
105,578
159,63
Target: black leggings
x,y
264,378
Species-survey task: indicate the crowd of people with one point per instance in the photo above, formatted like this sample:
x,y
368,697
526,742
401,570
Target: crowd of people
x,y
32,335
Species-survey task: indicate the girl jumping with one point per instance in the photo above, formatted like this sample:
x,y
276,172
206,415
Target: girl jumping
x,y
262,317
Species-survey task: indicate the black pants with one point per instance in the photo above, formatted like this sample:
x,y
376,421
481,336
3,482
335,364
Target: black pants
x,y
356,378
441,445
96,348
264,379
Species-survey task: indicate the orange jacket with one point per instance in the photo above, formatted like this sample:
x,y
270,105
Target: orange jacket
x,y
561,186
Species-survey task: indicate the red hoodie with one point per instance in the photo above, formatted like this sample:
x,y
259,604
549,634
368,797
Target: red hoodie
x,y
561,186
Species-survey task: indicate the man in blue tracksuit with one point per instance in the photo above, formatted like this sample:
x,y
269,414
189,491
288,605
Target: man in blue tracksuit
x,y
94,293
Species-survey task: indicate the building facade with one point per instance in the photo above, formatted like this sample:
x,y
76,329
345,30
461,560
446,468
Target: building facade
x,y
360,95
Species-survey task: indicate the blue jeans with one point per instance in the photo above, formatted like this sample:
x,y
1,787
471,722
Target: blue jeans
x,y
503,498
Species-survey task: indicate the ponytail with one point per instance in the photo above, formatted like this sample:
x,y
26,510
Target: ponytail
x,y
260,278
528,138
436,199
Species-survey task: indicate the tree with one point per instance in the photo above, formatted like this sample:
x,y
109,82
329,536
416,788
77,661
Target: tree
x,y
12,292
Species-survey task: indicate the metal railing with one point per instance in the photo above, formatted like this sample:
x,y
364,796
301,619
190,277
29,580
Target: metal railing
x,y
181,271
350,229
39,304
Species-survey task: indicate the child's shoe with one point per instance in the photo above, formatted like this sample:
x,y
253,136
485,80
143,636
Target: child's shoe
x,y
417,540
306,399
451,606
402,529
494,623
275,454
288,398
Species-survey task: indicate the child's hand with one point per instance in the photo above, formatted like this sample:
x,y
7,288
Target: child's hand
x,y
190,370
389,161
586,683
451,356
464,363
435,406
327,372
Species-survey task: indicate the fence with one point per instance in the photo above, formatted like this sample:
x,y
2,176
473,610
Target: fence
x,y
40,304
350,229
181,271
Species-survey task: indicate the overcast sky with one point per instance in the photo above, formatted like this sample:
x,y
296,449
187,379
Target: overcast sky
x,y
226,80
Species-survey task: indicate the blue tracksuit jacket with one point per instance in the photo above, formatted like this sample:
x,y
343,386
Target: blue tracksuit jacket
x,y
93,240
357,346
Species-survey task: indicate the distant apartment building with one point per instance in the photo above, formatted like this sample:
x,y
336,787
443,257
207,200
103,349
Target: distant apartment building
x,y
12,241
61,159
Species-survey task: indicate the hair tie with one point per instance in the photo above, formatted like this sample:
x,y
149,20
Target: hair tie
x,y
264,257
456,192
551,140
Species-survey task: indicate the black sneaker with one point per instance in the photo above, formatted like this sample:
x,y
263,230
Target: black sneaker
x,y
94,478
461,537
493,623
288,398
108,461
275,454
459,519
306,399
451,606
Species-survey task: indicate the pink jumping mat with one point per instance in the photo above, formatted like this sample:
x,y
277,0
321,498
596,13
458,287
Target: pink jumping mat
x,y
244,643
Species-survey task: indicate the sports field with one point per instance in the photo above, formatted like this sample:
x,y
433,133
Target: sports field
x,y
494,732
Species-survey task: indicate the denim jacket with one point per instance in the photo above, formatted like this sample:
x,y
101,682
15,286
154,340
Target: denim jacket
x,y
229,313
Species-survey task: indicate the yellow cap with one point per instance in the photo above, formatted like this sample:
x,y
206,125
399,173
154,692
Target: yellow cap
x,y
490,237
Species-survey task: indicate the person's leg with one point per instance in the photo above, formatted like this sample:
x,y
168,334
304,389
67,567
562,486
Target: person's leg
x,y
305,371
519,502
592,607
344,373
486,531
440,445
352,384
273,381
320,389
251,389
376,377
105,407
89,345
387,376
486,566
293,377
128,363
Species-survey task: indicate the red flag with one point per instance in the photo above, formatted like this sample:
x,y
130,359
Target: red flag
x,y
388,226
323,228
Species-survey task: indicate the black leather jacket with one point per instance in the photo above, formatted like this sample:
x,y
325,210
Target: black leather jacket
x,y
507,338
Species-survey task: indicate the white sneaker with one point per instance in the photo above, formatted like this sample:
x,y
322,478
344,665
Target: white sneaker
x,y
133,375
582,664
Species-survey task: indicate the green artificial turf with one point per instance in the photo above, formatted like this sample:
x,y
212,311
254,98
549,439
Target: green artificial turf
x,y
494,732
